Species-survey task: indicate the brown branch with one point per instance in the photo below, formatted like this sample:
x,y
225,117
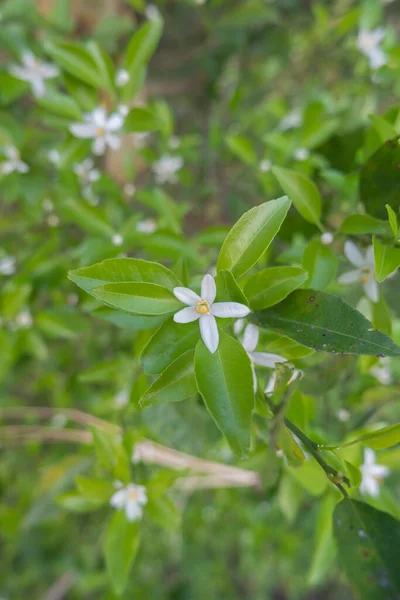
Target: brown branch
x,y
61,586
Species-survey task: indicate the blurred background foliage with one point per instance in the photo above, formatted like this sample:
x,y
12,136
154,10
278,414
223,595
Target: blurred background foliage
x,y
239,86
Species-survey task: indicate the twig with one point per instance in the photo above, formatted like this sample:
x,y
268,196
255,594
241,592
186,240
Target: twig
x,y
61,586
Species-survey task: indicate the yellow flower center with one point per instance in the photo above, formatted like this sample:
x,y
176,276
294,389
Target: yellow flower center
x,y
366,274
202,307
100,131
133,495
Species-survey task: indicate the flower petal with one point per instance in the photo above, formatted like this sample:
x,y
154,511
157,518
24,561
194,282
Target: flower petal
x,y
83,130
266,359
254,376
369,457
98,117
209,332
350,277
238,326
250,338
369,256
379,471
229,309
115,122
133,510
99,145
353,254
208,288
186,295
369,486
186,315
118,499
38,87
114,141
371,289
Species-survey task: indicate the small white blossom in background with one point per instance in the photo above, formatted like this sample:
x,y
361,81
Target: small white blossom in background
x,y
121,399
291,121
174,142
117,239
302,154
147,226
262,359
272,380
13,162
34,72
131,498
166,168
47,205
103,129
54,157
130,189
265,165
200,2
152,12
205,310
364,272
369,44
86,171
372,474
53,220
141,139
382,371
7,265
59,421
121,77
343,415
123,110
327,238
23,320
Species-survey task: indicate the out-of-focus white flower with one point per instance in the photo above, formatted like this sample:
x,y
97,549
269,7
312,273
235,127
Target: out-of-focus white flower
x,y
117,239
121,399
327,238
200,2
54,156
343,415
166,168
291,121
152,12
86,171
23,320
47,205
146,226
174,142
302,154
123,110
103,129
205,310
262,359
34,72
131,498
141,139
382,371
13,162
59,420
130,189
364,271
7,265
53,220
372,474
121,77
265,165
369,44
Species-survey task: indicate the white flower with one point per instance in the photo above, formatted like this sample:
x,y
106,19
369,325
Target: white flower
x,y
152,12
123,110
54,156
121,399
47,205
141,139
174,142
291,121
146,226
302,154
53,220
7,265
263,359
34,72
102,128
86,172
372,474
205,309
368,42
382,371
130,189
364,271
13,162
343,415
23,320
131,498
265,165
327,238
238,326
121,77
166,168
117,239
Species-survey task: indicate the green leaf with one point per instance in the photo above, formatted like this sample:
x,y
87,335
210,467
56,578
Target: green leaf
x,y
139,298
361,224
321,263
392,217
326,323
60,15
77,61
139,120
379,439
115,270
367,540
60,104
380,181
97,491
251,236
89,217
270,286
302,191
387,260
104,65
142,45
228,289
242,148
110,452
174,384
167,344
121,544
225,382
75,502
324,541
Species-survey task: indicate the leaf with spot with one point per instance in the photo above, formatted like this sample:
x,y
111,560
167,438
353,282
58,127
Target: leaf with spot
x,y
368,541
380,179
325,323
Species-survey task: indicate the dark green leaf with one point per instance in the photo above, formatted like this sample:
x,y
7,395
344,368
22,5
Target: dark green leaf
x,y
137,297
139,120
387,260
168,343
174,384
228,289
360,224
321,263
270,286
303,193
121,544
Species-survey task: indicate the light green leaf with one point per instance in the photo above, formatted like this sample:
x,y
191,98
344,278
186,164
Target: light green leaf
x,y
225,382
60,104
228,289
167,344
121,544
321,263
103,63
140,298
251,236
110,452
367,539
97,491
361,224
392,217
242,148
174,384
379,439
326,323
140,119
270,286
387,260
89,217
324,542
76,503
77,61
302,191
